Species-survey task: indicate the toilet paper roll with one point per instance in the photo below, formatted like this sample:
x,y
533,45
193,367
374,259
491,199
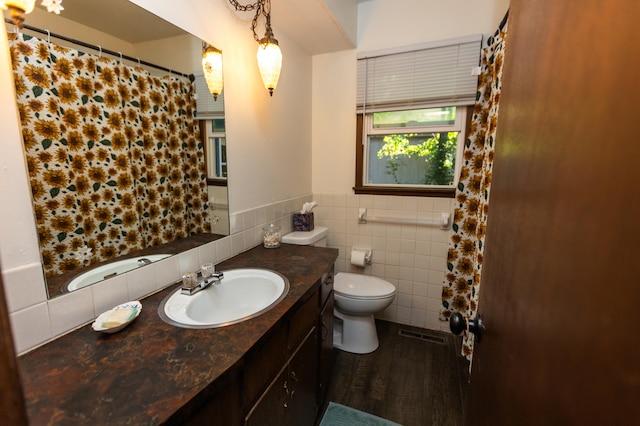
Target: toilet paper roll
x,y
358,258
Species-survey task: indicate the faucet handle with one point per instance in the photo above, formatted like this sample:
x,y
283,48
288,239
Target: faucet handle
x,y
189,280
207,269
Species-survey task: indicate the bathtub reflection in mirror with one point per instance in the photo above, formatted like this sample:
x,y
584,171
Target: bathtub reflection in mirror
x,y
116,156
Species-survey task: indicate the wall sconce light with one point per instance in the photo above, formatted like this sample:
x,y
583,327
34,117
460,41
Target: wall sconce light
x,y
19,8
212,67
269,54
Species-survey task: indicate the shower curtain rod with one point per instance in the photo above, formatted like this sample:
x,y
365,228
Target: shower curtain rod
x,y
100,49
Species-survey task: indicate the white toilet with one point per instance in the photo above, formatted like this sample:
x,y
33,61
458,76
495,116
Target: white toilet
x,y
316,237
357,298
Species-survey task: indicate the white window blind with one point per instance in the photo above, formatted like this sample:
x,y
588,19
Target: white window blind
x,y
206,107
421,78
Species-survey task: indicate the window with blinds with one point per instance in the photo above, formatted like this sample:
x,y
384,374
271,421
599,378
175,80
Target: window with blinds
x,y
411,109
206,106
210,114
444,74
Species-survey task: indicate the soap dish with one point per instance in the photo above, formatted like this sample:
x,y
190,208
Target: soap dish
x,y
117,318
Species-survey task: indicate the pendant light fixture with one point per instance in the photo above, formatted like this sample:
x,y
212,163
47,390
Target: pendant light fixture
x,y
19,8
212,67
269,55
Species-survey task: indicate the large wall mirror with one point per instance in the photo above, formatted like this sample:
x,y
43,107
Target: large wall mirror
x,y
149,181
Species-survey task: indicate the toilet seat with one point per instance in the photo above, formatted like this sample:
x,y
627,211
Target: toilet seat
x,y
360,286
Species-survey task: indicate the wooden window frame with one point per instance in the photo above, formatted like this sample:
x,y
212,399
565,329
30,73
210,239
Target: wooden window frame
x,y
360,188
203,138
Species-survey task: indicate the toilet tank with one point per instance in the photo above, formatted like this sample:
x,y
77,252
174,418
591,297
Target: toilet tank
x,y
317,237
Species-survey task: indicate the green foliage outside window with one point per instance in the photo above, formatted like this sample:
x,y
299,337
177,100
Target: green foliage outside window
x,y
436,153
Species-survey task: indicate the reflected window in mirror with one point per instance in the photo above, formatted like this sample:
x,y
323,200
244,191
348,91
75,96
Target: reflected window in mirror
x,y
215,148
210,114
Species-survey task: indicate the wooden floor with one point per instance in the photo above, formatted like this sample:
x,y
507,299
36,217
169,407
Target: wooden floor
x,y
406,380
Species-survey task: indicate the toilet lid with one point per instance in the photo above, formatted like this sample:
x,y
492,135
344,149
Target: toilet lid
x,y
362,286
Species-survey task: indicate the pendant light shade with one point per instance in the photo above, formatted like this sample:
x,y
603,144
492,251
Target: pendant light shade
x,y
212,67
269,54
270,64
17,9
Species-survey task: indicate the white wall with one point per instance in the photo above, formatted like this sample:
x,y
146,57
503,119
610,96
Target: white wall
x,y
412,258
384,24
19,253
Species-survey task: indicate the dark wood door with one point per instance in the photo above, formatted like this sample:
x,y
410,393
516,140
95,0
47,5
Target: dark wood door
x,y
561,280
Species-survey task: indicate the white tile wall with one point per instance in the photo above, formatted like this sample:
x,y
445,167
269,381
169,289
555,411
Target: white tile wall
x,y
412,257
36,320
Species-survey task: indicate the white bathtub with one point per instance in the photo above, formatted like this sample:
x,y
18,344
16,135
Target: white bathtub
x,y
109,270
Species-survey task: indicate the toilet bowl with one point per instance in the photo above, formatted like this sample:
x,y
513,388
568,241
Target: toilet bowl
x,y
357,298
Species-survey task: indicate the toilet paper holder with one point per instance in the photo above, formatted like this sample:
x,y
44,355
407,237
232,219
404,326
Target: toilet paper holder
x,y
367,254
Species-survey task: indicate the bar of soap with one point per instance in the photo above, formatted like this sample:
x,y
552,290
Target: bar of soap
x,y
118,317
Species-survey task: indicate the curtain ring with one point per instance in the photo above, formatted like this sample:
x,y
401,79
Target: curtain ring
x,y
48,37
99,51
120,60
139,66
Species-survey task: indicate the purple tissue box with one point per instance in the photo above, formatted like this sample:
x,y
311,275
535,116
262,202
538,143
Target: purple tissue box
x,y
303,221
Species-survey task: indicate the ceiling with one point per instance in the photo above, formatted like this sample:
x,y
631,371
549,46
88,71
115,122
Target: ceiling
x,y
119,18
312,24
309,22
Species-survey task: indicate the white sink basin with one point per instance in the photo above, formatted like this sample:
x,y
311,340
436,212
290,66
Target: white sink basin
x,y
109,270
242,294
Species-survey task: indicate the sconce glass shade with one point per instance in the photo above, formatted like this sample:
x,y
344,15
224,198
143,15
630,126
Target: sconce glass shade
x,y
212,67
269,63
18,8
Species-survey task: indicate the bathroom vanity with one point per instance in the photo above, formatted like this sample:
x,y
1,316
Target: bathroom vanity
x,y
271,369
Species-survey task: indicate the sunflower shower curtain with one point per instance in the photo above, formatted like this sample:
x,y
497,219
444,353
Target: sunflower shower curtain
x,y
114,157
464,259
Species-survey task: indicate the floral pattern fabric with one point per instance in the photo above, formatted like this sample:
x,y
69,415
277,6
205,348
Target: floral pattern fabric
x,y
464,260
113,153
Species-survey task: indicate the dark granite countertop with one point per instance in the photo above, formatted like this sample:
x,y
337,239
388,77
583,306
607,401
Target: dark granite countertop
x,y
152,372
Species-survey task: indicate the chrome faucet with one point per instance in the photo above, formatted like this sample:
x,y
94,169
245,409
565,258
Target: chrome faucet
x,y
144,261
191,288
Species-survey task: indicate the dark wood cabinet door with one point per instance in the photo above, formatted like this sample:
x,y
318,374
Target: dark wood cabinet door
x,y
291,398
302,406
270,410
